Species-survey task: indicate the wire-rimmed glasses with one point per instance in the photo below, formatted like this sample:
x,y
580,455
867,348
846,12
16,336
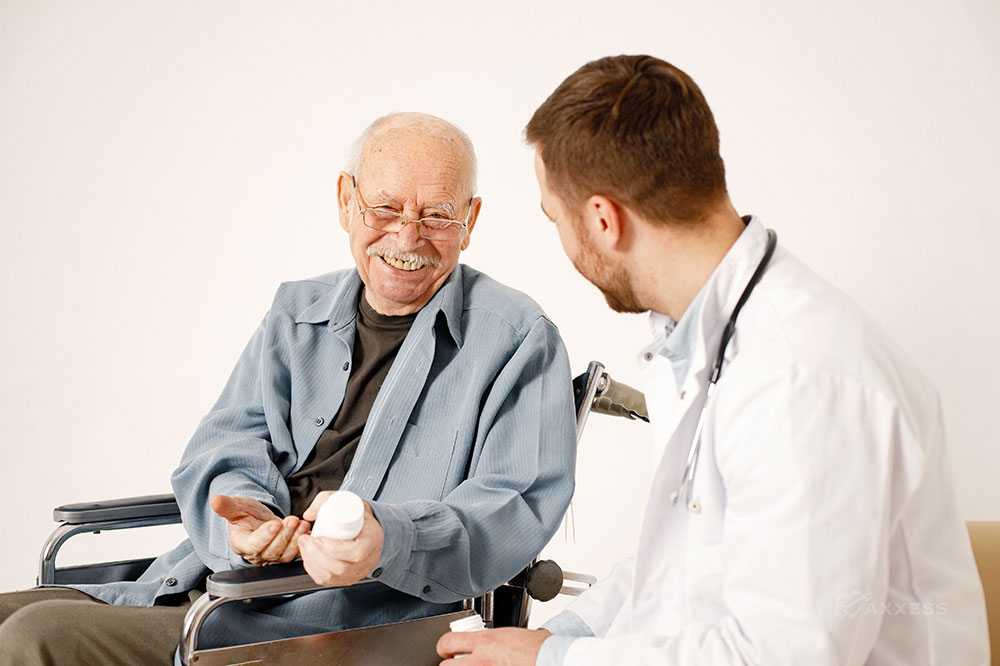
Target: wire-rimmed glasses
x,y
434,227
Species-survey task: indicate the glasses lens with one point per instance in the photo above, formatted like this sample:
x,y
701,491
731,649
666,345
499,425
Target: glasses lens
x,y
437,229
381,220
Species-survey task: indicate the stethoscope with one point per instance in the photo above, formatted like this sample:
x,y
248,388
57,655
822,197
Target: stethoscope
x,y
687,480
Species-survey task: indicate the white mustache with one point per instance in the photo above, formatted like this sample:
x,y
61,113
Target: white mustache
x,y
399,255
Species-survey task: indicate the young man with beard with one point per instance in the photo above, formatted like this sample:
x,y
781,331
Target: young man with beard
x,y
801,511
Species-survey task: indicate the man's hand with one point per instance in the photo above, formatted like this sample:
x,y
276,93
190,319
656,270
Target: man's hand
x,y
339,562
256,534
495,647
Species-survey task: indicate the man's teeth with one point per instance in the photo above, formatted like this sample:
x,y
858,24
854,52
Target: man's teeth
x,y
402,265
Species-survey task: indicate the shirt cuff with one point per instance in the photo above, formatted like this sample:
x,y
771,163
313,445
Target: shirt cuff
x,y
399,534
565,628
554,649
568,623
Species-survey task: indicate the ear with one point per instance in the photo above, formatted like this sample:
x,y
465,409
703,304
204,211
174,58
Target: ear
x,y
603,220
345,196
477,204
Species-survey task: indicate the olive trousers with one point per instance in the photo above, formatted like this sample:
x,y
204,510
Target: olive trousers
x,y
58,626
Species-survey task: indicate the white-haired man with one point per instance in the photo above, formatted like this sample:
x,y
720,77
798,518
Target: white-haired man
x,y
439,396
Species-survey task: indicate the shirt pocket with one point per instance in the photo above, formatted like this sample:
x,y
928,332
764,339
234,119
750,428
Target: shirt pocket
x,y
420,466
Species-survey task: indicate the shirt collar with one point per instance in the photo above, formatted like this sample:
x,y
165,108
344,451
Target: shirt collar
x,y
702,322
339,307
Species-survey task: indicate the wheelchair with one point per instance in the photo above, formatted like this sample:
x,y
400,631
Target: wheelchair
x,y
410,642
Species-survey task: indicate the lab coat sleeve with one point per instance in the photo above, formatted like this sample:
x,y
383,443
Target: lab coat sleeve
x,y
598,605
807,462
230,453
519,484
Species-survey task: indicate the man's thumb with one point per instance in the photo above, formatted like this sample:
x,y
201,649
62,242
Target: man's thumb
x,y
224,506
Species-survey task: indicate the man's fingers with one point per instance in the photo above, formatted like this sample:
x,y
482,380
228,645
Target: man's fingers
x,y
322,568
312,512
292,549
275,548
251,544
454,643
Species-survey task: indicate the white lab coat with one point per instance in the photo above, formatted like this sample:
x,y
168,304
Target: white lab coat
x,y
828,532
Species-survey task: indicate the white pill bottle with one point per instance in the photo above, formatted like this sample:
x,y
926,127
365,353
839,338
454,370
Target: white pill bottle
x,y
471,623
340,517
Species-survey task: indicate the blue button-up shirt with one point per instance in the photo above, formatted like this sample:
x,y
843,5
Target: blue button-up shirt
x,y
467,456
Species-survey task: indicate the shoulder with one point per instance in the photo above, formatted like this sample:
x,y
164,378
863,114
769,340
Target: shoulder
x,y
487,300
298,298
802,324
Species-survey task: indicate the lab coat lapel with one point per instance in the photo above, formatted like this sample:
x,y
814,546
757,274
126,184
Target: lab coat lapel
x,y
679,421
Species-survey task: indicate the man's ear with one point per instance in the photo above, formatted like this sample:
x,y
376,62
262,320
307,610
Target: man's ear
x,y
345,195
477,204
603,221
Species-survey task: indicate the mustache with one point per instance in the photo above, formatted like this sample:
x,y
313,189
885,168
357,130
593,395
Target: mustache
x,y
399,255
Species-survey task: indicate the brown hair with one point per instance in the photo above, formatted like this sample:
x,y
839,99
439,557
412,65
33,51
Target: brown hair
x,y
635,129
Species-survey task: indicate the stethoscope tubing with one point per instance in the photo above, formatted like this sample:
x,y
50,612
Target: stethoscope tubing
x,y
690,467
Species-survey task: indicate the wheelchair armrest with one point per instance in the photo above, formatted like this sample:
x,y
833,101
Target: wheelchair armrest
x,y
129,508
273,580
253,582
119,514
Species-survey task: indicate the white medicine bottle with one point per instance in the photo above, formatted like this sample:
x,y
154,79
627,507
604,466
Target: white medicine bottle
x,y
470,623
340,517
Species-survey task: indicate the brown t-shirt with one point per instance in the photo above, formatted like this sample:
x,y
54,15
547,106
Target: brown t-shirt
x,y
376,342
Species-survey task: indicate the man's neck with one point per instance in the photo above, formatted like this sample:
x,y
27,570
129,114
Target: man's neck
x,y
678,261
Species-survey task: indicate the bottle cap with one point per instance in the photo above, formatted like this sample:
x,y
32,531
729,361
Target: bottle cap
x,y
471,623
340,517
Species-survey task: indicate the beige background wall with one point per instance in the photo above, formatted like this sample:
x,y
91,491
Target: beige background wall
x,y
164,165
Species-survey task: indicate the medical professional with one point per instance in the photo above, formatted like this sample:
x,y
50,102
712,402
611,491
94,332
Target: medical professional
x,y
801,511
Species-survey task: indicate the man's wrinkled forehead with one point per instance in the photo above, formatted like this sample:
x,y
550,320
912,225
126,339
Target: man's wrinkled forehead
x,y
404,162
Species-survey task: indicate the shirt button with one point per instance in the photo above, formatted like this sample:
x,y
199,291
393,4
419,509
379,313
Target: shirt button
x,y
427,588
170,582
377,573
648,356
319,421
683,394
346,366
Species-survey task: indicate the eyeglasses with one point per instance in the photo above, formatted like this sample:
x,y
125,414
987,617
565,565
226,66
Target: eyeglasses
x,y
435,227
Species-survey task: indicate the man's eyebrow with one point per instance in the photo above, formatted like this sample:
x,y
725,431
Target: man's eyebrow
x,y
384,196
446,206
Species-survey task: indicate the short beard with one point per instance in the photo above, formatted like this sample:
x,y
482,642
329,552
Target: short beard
x,y
613,281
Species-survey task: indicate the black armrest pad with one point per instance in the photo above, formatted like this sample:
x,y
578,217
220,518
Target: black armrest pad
x,y
289,578
117,509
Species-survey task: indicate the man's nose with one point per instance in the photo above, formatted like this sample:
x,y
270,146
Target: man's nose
x,y
409,235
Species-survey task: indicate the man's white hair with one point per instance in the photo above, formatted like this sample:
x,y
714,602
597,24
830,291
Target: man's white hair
x,y
433,125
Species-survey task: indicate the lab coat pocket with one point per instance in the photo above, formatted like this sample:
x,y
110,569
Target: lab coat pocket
x,y
419,467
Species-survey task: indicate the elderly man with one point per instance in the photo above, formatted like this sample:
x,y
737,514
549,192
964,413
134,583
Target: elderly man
x,y
801,511
439,396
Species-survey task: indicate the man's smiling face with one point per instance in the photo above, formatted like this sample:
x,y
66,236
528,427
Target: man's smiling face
x,y
419,173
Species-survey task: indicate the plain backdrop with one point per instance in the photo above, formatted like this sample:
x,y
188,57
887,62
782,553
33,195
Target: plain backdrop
x,y
165,165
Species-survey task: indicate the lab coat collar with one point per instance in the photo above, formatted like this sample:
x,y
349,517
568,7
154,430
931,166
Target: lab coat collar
x,y
719,296
339,307
726,285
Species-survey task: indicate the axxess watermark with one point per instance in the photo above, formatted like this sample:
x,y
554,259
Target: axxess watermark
x,y
852,604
